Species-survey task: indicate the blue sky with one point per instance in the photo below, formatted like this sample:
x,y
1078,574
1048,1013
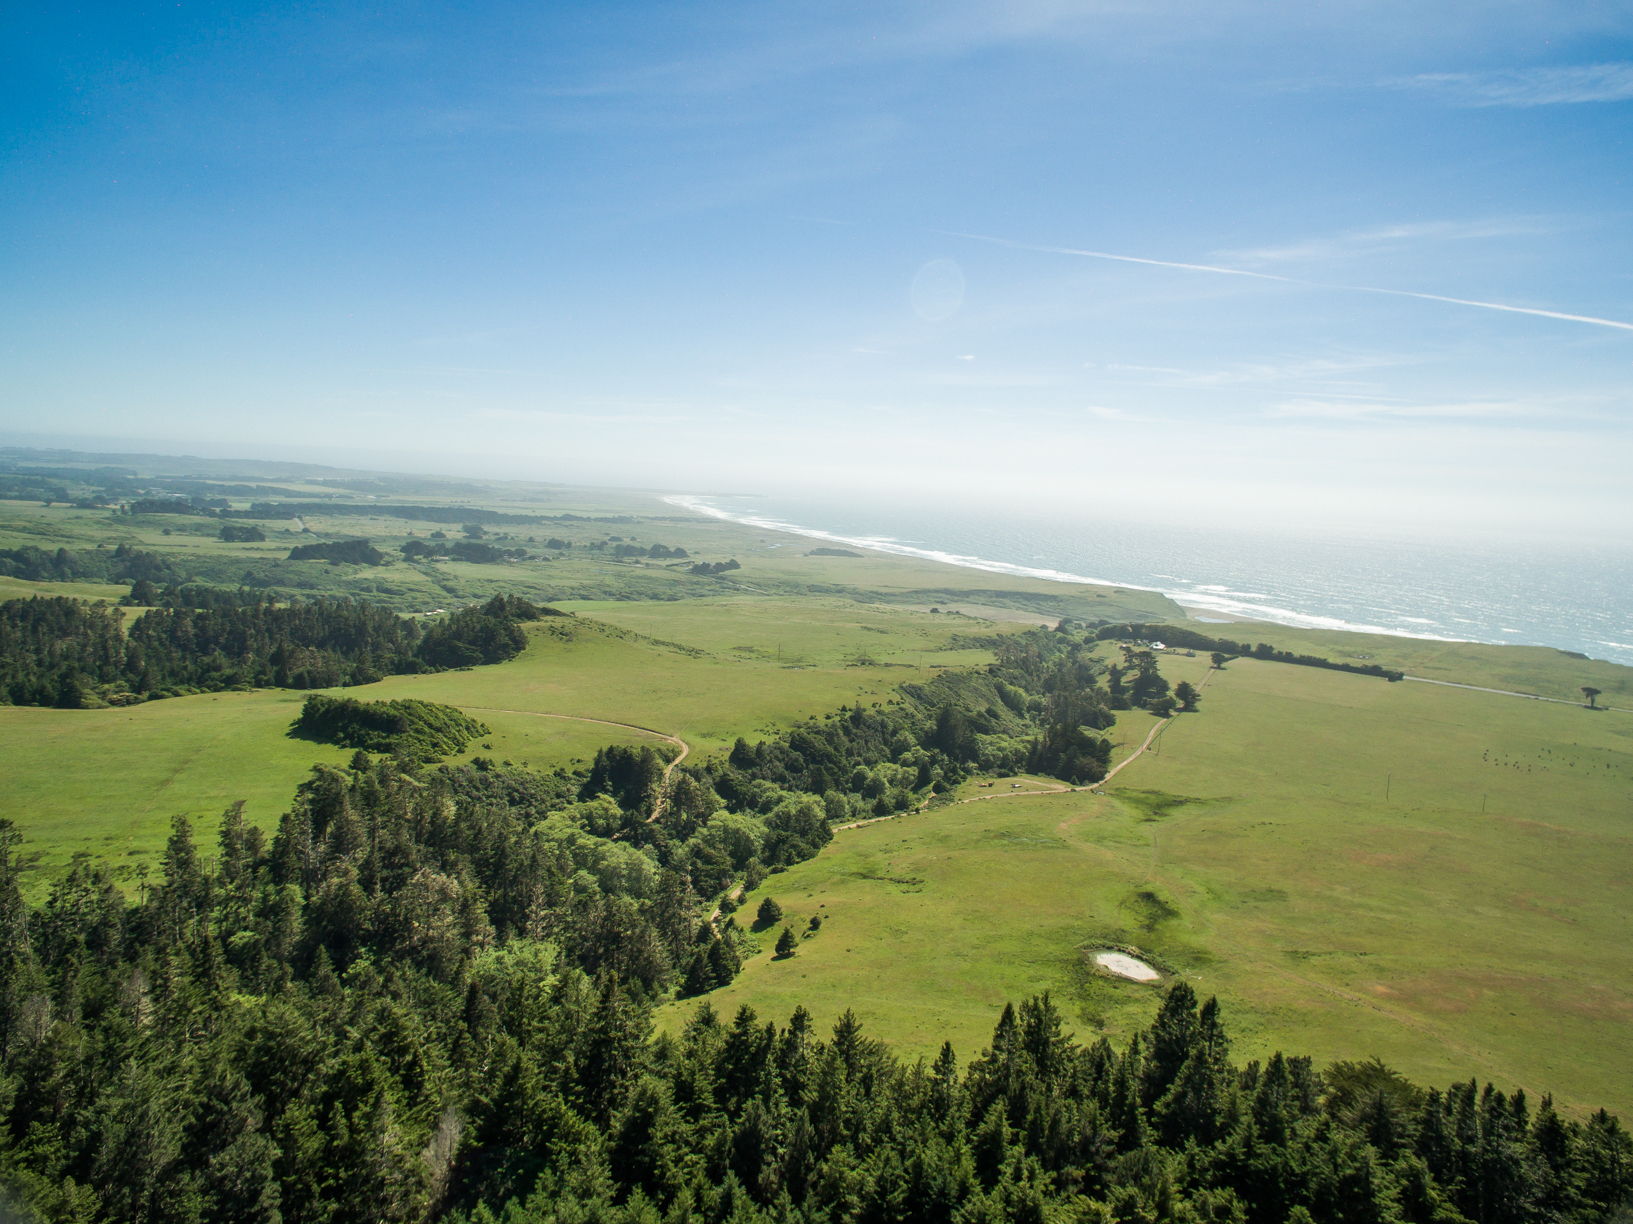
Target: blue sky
x,y
766,247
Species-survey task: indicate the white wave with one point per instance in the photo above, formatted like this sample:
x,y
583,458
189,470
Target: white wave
x,y
1194,598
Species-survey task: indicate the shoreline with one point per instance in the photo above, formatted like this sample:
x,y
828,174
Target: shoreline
x,y
1228,610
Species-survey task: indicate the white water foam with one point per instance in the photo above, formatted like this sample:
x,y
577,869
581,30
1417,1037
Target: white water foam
x,y
1212,597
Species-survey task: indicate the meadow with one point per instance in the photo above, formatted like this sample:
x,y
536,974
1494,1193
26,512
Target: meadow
x,y
1309,846
107,782
1540,670
1433,875
772,564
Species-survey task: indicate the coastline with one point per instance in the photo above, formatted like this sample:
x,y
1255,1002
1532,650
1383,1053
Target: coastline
x,y
1220,602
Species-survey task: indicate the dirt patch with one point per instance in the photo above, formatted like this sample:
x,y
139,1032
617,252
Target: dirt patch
x,y
1126,966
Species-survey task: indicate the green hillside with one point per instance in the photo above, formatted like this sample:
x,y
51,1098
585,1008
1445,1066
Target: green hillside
x,y
1254,852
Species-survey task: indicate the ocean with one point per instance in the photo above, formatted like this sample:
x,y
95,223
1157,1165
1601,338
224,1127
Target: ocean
x,y
1569,595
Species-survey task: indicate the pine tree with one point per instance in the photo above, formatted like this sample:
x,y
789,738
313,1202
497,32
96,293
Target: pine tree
x,y
769,913
787,942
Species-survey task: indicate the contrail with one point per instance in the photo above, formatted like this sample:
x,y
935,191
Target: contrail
x,y
1435,297
1292,280
1159,263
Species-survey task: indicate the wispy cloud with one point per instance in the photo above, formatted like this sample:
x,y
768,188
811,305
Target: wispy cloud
x,y
1379,239
1133,259
1295,280
1526,86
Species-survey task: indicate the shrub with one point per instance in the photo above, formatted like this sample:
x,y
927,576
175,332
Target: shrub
x,y
424,730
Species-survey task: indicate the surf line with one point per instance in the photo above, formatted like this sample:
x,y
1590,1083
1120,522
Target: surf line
x,y
1187,598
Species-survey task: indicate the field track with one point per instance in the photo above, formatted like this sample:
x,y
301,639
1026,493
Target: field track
x,y
1505,693
663,789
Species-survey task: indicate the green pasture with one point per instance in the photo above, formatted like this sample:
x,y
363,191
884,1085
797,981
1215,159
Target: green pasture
x,y
1310,847
107,782
801,632
709,694
1541,670
20,588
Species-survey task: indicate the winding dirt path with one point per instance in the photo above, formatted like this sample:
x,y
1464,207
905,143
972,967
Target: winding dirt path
x,y
733,894
663,786
1041,789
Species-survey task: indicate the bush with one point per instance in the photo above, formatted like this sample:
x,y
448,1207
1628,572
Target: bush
x,y
423,730
339,552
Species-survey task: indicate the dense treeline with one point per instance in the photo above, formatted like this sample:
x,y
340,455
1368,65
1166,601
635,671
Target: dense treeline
x,y
473,551
121,564
339,552
490,633
52,650
1178,635
1038,707
656,550
64,652
419,514
144,594
420,1001
32,488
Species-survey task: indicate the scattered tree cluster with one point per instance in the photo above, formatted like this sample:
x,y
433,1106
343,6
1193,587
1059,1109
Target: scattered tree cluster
x,y
713,569
242,533
1138,683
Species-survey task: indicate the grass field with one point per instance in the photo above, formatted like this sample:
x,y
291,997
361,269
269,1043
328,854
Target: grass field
x,y
1256,853
1531,669
1433,875
108,781
20,588
772,563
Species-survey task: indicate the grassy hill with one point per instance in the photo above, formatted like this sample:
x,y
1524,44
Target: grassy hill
x,y
1310,846
106,782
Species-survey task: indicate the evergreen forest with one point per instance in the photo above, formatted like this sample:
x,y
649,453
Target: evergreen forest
x,y
64,652
428,996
